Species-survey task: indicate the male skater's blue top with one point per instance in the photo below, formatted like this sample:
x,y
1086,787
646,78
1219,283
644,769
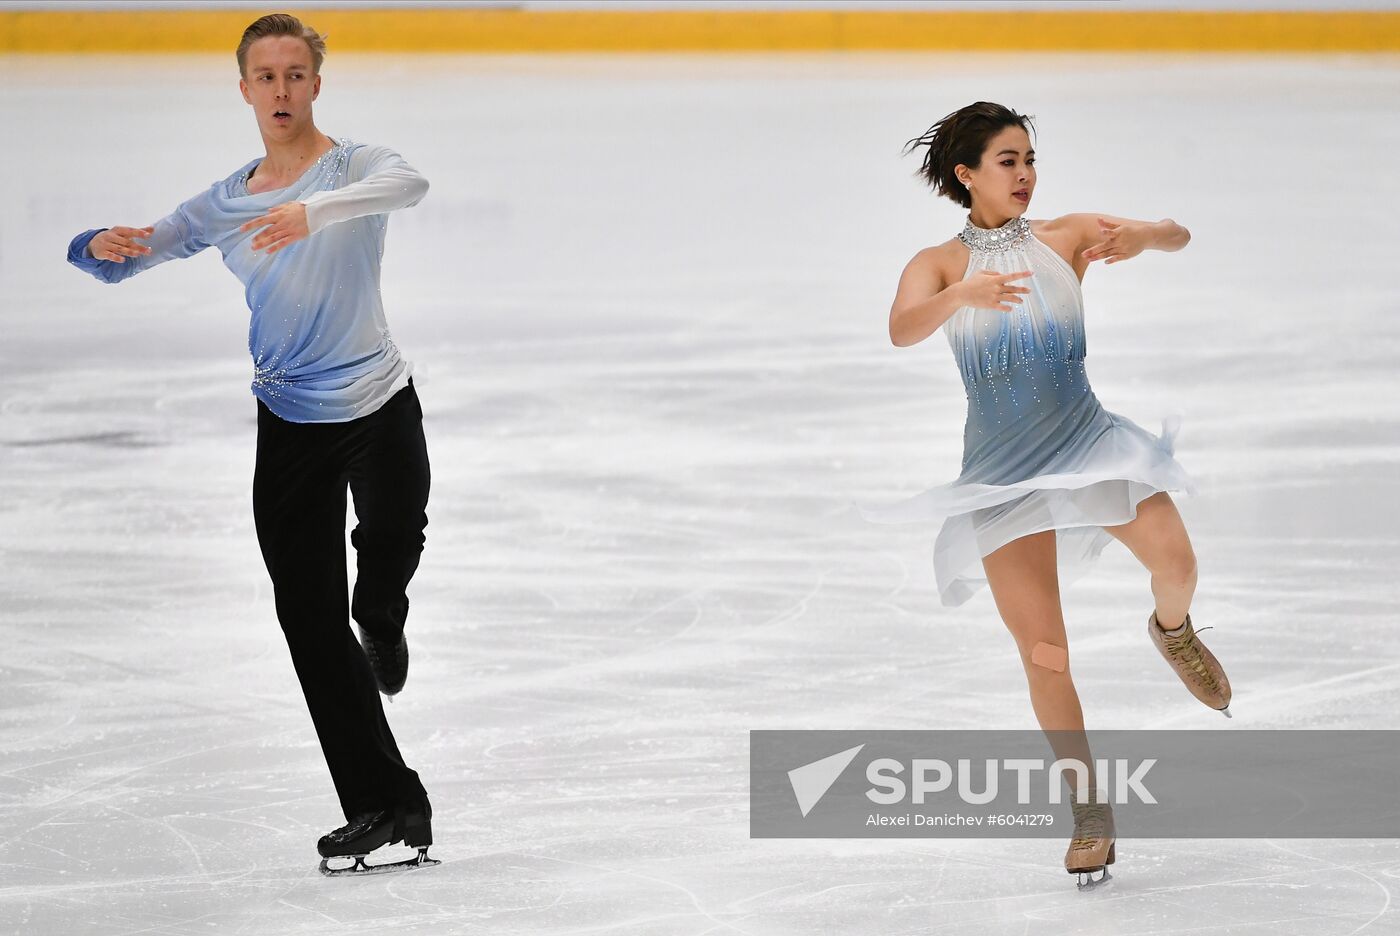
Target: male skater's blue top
x,y
320,343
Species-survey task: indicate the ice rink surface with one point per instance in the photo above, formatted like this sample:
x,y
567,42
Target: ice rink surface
x,y
646,299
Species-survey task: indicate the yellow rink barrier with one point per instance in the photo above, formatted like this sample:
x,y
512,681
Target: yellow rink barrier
x,y
535,30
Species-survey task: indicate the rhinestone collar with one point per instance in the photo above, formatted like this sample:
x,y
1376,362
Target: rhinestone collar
x,y
1011,234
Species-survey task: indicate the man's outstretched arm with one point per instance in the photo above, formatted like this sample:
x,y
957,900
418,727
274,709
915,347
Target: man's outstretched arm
x,y
114,254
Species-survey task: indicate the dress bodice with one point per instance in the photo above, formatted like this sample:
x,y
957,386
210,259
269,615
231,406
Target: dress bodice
x,y
1045,331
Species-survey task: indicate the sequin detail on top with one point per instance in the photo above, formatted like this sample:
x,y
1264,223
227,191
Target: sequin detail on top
x,y
334,159
269,379
1009,236
337,156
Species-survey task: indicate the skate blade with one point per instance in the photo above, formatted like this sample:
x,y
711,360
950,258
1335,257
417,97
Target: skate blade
x,y
421,860
1087,881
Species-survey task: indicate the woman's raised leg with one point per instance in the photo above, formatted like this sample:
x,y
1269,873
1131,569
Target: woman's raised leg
x,y
1158,538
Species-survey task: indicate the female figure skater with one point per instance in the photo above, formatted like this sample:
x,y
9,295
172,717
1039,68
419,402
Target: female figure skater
x,y
1048,475
303,227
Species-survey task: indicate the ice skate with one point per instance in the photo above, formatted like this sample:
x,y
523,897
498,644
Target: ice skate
x,y
388,661
365,833
1092,848
1195,664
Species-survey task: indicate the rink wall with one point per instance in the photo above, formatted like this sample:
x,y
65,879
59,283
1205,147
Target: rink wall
x,y
1128,25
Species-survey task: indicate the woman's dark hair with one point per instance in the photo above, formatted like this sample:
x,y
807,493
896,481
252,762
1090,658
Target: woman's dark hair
x,y
960,138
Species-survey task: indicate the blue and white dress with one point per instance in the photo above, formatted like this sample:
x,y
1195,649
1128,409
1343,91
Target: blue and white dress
x,y
1039,452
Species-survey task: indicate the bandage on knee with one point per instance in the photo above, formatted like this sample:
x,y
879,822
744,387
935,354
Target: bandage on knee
x,y
1050,656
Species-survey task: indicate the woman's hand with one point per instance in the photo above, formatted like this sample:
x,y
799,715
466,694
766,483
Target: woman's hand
x,y
118,243
285,223
1120,241
989,289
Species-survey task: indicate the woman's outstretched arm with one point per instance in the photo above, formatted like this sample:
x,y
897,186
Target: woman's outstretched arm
x,y
1104,237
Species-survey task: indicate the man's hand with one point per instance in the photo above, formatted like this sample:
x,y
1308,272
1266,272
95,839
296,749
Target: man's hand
x,y
285,225
118,243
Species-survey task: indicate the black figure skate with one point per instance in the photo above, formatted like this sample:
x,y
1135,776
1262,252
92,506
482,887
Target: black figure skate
x,y
389,661
363,834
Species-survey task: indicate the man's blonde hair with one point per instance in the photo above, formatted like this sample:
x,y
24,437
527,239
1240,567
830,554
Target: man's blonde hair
x,y
282,24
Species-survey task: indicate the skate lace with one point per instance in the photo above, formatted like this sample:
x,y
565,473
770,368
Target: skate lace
x,y
1090,825
1186,650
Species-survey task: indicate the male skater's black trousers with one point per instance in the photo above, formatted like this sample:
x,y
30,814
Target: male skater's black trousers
x,y
299,510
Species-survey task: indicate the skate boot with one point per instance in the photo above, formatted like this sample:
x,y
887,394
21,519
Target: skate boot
x,y
368,831
389,661
1196,665
1092,848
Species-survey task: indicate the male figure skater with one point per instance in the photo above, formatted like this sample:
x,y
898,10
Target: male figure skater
x,y
303,228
